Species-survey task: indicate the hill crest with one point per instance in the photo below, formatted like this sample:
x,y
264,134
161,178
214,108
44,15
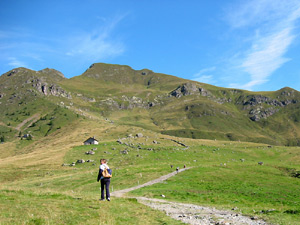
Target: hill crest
x,y
159,102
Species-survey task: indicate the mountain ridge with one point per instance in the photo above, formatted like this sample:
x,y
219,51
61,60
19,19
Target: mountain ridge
x,y
159,102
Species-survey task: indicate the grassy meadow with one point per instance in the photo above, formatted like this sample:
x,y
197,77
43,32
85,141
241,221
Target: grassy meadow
x,y
223,175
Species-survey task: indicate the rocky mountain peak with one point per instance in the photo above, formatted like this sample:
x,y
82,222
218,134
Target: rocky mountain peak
x,y
19,71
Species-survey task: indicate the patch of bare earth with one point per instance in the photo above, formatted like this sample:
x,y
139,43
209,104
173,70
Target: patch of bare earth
x,y
33,119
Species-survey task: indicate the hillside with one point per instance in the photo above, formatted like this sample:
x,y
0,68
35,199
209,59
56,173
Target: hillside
x,y
136,116
41,102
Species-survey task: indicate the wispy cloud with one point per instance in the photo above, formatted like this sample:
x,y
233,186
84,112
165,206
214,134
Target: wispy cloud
x,y
273,22
21,48
98,44
260,12
204,75
27,48
14,62
266,57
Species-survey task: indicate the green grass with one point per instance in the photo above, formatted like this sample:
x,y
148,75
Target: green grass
x,y
31,176
19,207
246,185
224,114
268,191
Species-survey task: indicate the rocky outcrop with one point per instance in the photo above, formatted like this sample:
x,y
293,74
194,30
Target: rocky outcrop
x,y
139,135
254,100
48,89
261,113
59,92
126,102
287,92
185,89
133,102
188,89
262,107
12,72
87,99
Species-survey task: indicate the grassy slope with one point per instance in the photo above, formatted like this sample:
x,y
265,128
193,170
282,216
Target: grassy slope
x,y
26,110
33,180
19,207
42,191
31,175
189,116
192,116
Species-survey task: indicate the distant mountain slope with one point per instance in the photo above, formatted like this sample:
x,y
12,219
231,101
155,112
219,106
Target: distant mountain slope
x,y
143,98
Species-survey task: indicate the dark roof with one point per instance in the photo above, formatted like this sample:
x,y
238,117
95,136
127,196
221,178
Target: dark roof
x,y
91,139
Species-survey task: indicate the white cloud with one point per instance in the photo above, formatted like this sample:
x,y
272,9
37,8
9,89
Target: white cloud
x,y
208,79
18,46
14,62
274,22
204,76
261,12
94,48
98,44
266,57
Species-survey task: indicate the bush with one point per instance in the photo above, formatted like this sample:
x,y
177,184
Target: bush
x,y
29,137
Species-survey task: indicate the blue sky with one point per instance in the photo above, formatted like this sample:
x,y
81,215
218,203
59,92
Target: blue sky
x,y
253,44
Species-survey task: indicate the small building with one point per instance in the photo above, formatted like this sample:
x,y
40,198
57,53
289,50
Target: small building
x,y
91,141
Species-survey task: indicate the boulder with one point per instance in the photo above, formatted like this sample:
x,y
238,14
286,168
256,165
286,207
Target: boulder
x,y
80,161
139,135
90,153
89,160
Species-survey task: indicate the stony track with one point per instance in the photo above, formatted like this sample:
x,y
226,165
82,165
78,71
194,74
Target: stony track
x,y
190,213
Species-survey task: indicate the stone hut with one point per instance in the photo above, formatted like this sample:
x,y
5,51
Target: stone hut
x,y
91,141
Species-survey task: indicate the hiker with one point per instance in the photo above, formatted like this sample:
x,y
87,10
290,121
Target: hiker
x,y
104,180
177,169
171,166
184,166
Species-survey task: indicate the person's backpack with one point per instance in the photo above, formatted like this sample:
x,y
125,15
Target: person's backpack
x,y
107,173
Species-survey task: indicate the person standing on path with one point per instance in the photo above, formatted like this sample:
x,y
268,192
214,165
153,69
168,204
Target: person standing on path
x,y
105,181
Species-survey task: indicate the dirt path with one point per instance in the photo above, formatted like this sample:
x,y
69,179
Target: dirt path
x,y
34,118
121,193
189,213
199,215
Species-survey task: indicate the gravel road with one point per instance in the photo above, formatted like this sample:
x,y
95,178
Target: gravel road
x,y
189,213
